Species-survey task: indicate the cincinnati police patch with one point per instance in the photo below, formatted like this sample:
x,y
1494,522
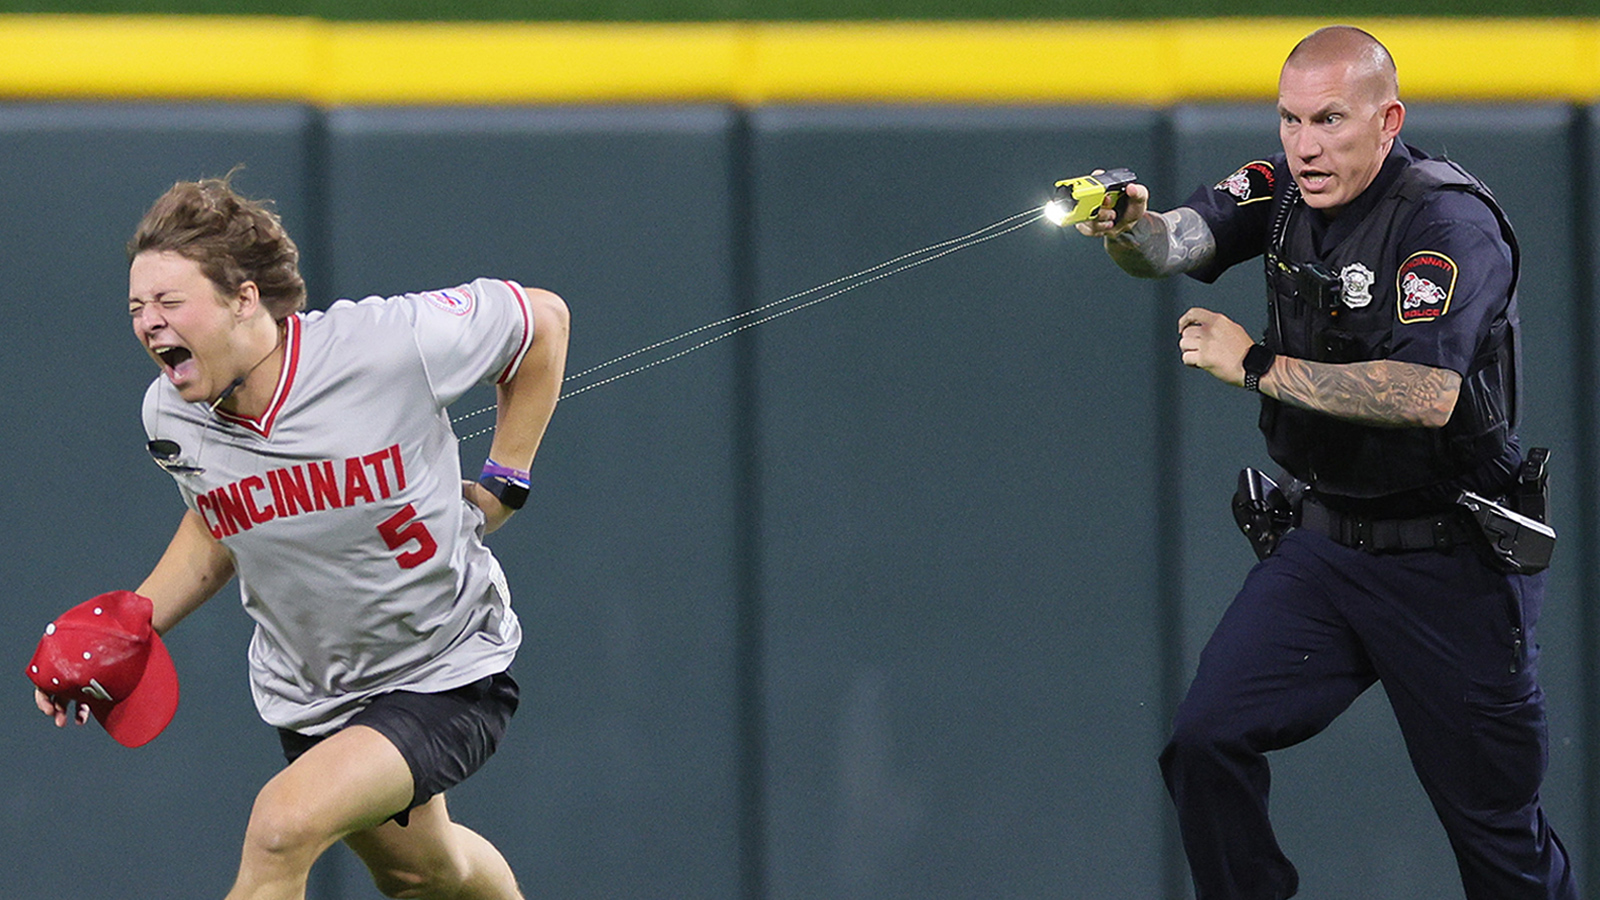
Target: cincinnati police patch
x,y
1254,182
457,300
1426,281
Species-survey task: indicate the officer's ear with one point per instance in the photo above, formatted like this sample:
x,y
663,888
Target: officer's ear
x,y
1394,115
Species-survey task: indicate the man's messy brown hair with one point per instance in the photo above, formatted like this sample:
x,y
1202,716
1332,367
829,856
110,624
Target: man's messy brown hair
x,y
231,238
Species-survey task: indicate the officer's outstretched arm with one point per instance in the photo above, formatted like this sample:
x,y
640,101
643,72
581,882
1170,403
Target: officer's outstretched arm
x,y
1149,244
1382,392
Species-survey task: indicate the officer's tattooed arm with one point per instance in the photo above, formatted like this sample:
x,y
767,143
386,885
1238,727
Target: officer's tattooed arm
x,y
1381,392
1162,244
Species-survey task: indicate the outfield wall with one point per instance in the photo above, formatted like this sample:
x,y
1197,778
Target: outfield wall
x,y
888,598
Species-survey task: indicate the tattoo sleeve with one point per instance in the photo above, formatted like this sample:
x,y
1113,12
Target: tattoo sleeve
x,y
1162,244
1381,392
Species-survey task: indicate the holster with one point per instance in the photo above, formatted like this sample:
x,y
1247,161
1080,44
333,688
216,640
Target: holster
x,y
1515,544
1530,494
1517,537
1262,510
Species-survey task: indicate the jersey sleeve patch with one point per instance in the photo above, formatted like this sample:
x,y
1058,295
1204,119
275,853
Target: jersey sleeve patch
x,y
457,300
1254,182
1426,282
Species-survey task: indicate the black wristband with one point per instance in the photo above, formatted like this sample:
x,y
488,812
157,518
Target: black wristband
x,y
512,495
1257,361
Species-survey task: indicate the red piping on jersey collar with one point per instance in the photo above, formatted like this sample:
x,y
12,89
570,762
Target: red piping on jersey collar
x,y
262,424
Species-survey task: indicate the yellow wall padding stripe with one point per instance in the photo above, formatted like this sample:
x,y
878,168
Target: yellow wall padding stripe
x,y
1160,62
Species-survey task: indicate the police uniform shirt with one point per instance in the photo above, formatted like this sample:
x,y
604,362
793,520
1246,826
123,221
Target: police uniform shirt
x,y
1451,266
358,558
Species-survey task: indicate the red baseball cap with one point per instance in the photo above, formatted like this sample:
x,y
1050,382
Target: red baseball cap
x,y
104,653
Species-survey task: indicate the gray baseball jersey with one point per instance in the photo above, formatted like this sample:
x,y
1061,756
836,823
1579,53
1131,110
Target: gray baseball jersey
x,y
360,562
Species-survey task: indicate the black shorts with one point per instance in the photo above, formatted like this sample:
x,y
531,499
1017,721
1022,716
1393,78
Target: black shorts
x,y
443,737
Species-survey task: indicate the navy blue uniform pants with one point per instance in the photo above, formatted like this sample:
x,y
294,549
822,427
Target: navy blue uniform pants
x,y
1317,623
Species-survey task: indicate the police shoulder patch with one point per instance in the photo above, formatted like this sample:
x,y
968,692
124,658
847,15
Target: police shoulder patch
x,y
1426,282
1254,182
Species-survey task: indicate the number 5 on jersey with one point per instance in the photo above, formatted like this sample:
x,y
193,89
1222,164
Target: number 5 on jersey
x,y
401,529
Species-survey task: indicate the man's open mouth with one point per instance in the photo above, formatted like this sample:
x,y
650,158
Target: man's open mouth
x,y
172,357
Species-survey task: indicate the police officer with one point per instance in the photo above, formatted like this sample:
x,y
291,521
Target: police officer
x,y
1388,386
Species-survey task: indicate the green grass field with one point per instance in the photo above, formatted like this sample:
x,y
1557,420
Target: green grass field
x,y
781,10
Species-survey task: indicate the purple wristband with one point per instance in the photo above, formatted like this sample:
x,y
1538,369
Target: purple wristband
x,y
492,469
508,484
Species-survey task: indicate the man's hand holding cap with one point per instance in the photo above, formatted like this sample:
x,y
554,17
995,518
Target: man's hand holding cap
x,y
104,654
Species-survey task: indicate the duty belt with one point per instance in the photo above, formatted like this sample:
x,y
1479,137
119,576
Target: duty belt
x,y
1440,531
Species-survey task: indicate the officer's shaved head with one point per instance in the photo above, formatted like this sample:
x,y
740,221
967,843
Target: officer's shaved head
x,y
1339,114
1369,62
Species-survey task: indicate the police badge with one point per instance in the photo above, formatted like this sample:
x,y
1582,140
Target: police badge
x,y
1357,280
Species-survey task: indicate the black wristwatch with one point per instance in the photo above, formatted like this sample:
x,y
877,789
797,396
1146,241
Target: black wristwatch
x,y
1257,361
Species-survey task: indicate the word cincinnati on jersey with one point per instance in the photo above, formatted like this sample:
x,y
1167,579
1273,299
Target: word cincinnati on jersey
x,y
302,488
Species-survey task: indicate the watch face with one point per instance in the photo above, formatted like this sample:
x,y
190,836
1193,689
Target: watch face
x,y
1258,359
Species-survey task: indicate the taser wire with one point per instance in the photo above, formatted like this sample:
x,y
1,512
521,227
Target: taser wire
x,y
851,282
